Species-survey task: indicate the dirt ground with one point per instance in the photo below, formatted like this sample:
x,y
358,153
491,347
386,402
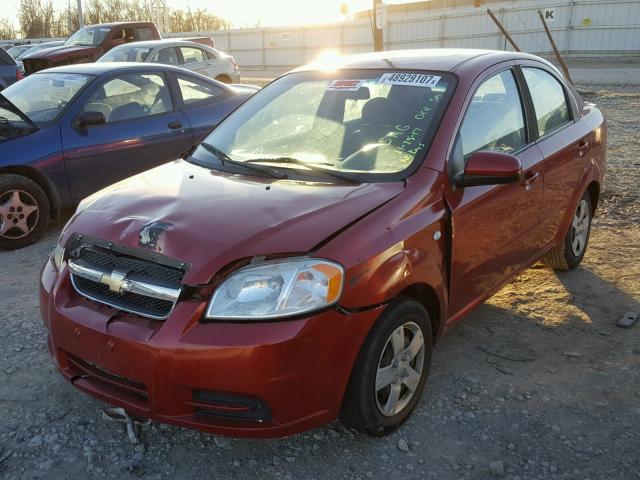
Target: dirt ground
x,y
539,383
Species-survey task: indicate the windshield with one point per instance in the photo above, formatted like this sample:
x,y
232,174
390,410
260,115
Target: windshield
x,y
126,53
370,124
17,50
89,36
37,48
43,96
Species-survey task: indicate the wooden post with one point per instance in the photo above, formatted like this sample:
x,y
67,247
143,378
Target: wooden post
x,y
378,41
563,65
502,29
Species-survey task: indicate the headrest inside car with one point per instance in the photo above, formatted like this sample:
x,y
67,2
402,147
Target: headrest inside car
x,y
380,111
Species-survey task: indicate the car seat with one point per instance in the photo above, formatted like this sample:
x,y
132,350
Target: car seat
x,y
129,110
379,117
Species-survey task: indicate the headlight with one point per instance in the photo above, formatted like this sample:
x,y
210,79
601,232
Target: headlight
x,y
57,256
277,289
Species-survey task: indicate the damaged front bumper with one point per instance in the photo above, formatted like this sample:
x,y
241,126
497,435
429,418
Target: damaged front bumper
x,y
239,379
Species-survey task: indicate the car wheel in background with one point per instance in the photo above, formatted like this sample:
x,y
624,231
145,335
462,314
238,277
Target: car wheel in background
x,y
223,78
24,211
570,253
390,371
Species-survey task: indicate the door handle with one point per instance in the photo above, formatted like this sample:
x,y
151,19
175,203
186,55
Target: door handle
x,y
175,125
529,178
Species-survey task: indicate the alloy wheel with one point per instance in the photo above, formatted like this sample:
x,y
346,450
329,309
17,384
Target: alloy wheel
x,y
400,369
19,214
580,228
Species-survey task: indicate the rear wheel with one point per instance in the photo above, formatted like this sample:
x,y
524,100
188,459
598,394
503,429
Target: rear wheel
x,y
391,370
24,211
223,78
570,253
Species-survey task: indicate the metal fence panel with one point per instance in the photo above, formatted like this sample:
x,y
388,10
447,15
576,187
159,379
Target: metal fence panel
x,y
579,28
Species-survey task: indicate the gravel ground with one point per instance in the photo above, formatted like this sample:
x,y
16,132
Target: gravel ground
x,y
537,384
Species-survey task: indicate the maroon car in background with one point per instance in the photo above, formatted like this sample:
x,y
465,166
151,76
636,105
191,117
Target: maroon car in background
x,y
301,263
90,43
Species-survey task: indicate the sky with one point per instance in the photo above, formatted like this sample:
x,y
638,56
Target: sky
x,y
249,12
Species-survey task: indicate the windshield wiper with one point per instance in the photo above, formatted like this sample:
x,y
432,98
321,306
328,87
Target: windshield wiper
x,y
224,158
311,166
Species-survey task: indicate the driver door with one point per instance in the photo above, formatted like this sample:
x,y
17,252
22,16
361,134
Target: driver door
x,y
142,129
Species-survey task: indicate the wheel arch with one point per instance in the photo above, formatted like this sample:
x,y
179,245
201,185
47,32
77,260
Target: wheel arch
x,y
224,78
426,295
594,195
43,182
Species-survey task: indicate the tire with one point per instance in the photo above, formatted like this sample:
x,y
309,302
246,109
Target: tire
x,y
223,79
570,252
368,407
24,211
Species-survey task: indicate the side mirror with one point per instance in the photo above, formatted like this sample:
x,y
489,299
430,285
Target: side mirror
x,y
489,168
87,119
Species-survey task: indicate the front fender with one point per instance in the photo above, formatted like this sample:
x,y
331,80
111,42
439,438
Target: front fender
x,y
399,245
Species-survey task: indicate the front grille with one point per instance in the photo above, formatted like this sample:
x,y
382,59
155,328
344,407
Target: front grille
x,y
132,302
110,260
147,271
32,65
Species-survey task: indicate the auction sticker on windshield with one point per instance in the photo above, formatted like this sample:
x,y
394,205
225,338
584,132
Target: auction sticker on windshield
x,y
411,79
345,85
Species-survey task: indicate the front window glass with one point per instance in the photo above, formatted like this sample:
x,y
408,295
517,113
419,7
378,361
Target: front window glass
x,y
494,120
362,122
131,96
89,36
128,53
166,56
43,96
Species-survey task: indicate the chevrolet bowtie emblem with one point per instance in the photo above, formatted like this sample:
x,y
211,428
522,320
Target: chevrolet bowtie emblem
x,y
116,281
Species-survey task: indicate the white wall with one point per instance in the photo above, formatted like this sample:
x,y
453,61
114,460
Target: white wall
x,y
612,28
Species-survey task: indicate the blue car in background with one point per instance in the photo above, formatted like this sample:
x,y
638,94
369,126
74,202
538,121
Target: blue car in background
x,y
69,131
10,72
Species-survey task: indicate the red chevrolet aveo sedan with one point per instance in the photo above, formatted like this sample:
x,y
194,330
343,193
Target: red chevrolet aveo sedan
x,y
299,265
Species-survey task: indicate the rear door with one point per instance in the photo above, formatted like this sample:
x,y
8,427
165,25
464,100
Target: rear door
x,y
143,129
495,227
195,59
564,142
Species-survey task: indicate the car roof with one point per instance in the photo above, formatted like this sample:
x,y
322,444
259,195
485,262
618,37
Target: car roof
x,y
165,42
438,59
116,24
108,67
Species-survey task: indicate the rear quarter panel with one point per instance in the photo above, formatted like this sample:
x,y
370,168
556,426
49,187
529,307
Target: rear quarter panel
x,y
204,118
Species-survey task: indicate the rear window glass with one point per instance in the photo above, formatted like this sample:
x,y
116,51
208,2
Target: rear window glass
x,y
144,33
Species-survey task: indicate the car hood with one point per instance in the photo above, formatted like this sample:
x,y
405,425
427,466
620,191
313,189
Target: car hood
x,y
209,218
62,50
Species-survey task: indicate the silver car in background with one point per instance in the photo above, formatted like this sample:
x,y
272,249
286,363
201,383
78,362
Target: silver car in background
x,y
193,56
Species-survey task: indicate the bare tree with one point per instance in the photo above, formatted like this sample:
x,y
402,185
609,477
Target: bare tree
x,y
39,19
7,30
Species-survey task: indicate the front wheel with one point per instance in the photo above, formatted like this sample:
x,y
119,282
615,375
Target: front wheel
x,y
570,253
390,371
24,211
